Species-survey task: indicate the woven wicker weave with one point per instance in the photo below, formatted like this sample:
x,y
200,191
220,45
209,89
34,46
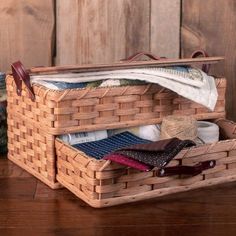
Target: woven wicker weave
x,y
33,125
74,110
103,184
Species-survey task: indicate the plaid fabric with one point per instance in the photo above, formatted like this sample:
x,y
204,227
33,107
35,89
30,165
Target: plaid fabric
x,y
158,153
98,149
130,150
65,85
127,161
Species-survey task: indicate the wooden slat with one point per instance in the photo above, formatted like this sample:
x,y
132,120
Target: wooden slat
x,y
26,32
165,28
122,65
101,30
210,25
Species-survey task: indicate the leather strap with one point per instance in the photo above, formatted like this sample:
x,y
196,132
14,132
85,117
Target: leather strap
x,y
137,55
20,74
186,170
198,53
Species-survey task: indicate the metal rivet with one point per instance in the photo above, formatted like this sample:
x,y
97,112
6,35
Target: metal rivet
x,y
162,172
211,164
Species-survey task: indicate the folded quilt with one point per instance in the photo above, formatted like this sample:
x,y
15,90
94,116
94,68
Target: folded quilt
x,y
191,83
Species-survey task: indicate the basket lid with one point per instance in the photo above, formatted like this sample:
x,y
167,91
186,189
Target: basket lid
x,y
125,65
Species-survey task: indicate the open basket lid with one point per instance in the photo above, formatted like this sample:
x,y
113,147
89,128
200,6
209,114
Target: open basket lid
x,y
20,74
127,64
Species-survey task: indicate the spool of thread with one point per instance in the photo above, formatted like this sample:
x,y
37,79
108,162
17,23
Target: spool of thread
x,y
207,132
182,127
150,132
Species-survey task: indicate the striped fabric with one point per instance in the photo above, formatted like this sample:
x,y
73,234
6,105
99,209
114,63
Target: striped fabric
x,y
98,149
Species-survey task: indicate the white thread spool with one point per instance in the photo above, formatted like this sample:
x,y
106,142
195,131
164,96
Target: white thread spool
x,y
150,132
208,132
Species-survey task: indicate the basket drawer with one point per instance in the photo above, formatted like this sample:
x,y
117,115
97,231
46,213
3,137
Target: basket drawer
x,y
33,125
103,184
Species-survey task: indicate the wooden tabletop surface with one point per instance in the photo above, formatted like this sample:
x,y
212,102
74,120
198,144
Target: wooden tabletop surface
x,y
28,207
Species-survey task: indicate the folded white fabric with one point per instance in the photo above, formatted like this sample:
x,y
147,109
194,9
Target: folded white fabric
x,y
192,83
83,137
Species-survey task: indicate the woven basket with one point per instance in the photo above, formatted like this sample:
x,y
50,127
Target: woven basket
x,y
33,125
103,184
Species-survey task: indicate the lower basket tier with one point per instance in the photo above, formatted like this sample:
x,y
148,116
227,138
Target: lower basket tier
x,y
142,195
103,184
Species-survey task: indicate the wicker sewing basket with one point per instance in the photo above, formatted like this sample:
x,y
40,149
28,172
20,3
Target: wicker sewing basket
x,y
36,115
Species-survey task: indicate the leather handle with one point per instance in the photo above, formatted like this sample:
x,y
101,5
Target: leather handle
x,y
198,53
3,104
21,75
137,55
186,170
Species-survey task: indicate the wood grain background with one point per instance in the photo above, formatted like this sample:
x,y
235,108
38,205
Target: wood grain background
x,y
60,32
26,32
102,31
211,25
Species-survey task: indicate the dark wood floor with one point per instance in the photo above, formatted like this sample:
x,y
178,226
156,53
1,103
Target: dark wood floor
x,y
28,207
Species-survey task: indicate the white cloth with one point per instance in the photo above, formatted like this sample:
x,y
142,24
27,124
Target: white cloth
x,y
110,83
201,90
83,137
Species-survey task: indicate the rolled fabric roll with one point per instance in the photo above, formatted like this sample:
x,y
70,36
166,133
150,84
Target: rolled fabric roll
x,y
150,132
84,137
182,127
207,132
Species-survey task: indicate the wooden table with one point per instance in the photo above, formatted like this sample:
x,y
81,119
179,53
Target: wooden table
x,y
28,207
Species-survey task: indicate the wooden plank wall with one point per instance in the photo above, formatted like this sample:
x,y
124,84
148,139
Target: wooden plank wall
x,y
211,25
103,31
26,32
96,31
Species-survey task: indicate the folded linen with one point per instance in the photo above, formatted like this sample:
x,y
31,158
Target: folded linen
x,y
188,82
59,85
83,137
